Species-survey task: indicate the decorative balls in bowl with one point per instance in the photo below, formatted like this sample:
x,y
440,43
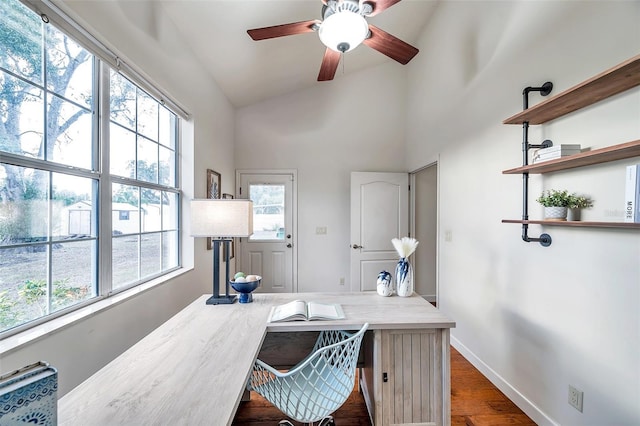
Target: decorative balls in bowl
x,y
245,284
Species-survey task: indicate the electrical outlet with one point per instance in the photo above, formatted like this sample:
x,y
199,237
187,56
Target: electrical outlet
x,y
575,398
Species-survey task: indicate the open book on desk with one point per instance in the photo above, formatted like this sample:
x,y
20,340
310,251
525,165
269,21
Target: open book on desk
x,y
299,310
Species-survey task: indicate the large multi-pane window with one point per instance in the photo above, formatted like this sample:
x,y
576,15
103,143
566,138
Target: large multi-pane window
x,y
62,171
142,165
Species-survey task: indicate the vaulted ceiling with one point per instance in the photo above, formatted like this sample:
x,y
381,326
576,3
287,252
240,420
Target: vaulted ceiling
x,y
249,71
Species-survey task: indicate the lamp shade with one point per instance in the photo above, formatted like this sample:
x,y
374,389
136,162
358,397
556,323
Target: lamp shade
x,y
221,218
343,31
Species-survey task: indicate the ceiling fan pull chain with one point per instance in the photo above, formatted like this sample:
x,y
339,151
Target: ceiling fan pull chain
x,y
342,60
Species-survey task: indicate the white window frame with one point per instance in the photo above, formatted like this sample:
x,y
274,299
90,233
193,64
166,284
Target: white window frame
x,y
104,60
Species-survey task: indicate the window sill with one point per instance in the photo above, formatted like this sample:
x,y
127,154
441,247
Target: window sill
x,y
14,342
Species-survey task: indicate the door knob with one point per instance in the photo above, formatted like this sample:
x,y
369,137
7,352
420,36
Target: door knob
x,y
288,235
289,245
356,247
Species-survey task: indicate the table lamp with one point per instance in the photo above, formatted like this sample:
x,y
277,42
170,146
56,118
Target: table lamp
x,y
222,220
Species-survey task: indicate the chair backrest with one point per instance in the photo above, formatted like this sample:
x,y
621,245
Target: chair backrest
x,y
319,384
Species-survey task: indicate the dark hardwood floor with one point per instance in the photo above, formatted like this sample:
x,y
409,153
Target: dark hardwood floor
x,y
475,401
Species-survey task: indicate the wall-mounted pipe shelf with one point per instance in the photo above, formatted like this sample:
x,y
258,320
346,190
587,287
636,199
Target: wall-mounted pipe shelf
x,y
615,80
587,158
576,223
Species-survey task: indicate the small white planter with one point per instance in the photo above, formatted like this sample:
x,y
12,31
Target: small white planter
x,y
555,213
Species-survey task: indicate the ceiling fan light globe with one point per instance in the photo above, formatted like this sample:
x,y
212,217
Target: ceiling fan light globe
x,y
343,29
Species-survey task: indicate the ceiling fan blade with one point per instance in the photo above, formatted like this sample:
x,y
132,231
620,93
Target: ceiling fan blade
x,y
329,65
283,30
390,45
379,5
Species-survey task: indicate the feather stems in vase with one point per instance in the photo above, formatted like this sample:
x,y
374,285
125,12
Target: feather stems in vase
x,y
405,246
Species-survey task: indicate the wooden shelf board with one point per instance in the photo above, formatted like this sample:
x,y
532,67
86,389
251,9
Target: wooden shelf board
x,y
581,224
608,83
587,158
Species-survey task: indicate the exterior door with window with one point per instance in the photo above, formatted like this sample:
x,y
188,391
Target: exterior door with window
x,y
379,213
270,251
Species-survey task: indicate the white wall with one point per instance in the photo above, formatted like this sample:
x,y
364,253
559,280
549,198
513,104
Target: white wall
x,y
534,319
355,123
82,348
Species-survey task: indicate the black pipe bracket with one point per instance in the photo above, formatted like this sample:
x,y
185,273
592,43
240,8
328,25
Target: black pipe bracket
x,y
544,90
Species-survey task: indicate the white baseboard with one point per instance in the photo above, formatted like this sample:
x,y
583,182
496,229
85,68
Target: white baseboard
x,y
512,393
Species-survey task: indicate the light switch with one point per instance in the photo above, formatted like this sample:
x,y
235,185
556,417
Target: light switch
x,y
321,230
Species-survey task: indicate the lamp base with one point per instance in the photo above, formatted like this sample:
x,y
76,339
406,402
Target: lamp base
x,y
222,300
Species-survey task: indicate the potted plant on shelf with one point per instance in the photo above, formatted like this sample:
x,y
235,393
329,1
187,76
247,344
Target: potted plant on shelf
x,y
577,203
555,203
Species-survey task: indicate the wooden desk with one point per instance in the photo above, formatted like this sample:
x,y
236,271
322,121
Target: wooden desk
x,y
192,370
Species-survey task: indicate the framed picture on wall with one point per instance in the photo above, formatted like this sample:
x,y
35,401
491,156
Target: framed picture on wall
x,y
213,184
213,192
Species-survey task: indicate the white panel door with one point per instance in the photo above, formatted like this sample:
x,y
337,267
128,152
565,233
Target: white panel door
x,y
270,251
379,213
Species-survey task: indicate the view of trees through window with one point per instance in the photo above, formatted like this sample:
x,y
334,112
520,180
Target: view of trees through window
x,y
51,177
268,211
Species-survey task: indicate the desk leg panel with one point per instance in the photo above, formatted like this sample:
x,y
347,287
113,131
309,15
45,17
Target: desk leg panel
x,y
445,362
412,377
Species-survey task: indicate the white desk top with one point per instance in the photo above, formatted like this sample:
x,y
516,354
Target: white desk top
x,y
192,370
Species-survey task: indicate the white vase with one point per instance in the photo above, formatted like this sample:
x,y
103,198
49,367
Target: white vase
x,y
404,278
555,213
384,284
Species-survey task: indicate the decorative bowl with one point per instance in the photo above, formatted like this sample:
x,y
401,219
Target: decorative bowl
x,y
245,289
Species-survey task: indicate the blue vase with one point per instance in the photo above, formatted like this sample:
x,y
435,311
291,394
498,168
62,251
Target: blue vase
x,y
404,278
384,285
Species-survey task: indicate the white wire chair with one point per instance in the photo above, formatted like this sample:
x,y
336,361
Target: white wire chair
x,y
318,385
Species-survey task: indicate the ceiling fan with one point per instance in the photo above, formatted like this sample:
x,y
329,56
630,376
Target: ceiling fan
x,y
343,28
